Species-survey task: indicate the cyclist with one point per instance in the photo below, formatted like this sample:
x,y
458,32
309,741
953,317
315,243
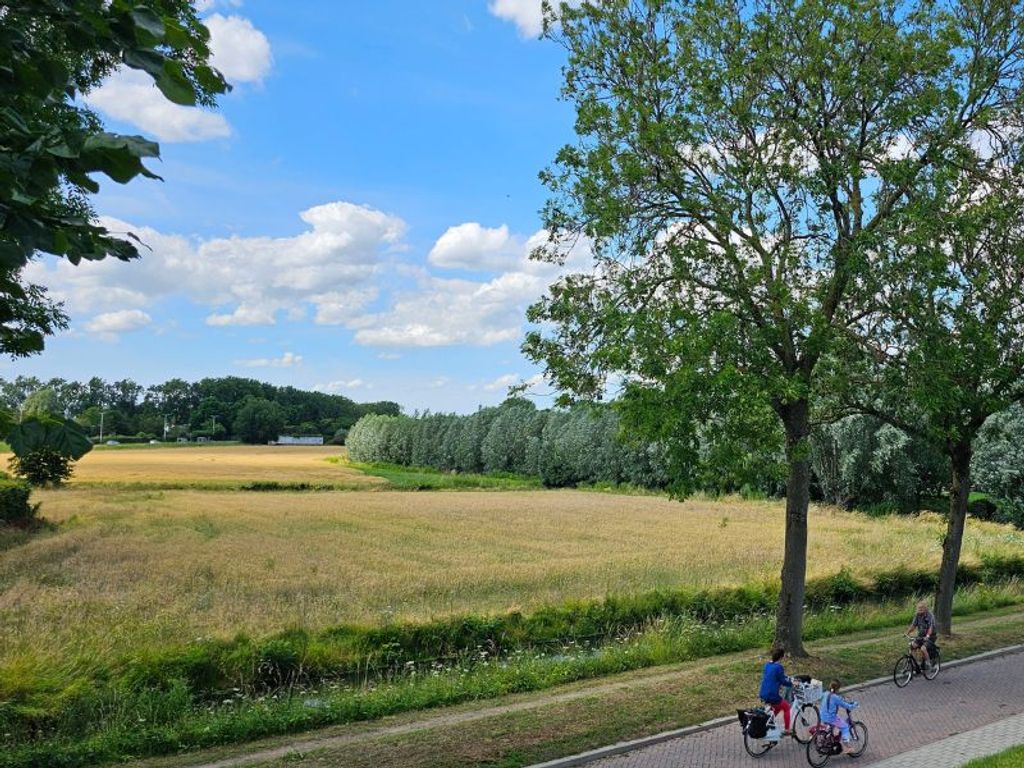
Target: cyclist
x,y
773,679
830,714
924,622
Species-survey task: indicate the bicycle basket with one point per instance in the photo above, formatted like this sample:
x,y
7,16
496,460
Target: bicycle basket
x,y
753,722
809,692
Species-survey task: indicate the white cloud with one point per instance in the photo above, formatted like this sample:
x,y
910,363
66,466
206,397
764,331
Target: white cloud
x,y
287,360
473,247
208,5
239,50
343,385
130,96
502,382
109,324
527,15
250,280
444,312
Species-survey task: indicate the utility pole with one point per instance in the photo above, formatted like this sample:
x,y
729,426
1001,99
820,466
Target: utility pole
x,y
165,428
102,414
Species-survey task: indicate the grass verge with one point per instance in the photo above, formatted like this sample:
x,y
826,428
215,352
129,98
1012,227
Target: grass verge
x,y
426,479
1011,758
155,720
529,728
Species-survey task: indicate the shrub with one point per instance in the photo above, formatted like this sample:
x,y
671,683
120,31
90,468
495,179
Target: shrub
x,y
14,502
42,467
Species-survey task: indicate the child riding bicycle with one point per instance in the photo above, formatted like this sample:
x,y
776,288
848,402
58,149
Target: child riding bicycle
x,y
773,679
832,702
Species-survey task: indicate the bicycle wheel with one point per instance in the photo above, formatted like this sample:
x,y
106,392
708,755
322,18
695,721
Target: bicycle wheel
x,y
756,747
804,721
903,671
819,749
932,671
858,738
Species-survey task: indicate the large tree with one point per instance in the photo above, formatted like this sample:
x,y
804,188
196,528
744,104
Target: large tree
x,y
945,345
738,163
52,147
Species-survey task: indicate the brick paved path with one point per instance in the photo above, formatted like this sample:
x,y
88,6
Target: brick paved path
x,y
960,699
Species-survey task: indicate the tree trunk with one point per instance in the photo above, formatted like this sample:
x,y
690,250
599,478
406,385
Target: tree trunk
x,y
789,619
959,489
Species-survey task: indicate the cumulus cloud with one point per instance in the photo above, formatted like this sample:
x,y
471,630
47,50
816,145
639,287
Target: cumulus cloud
x,y
208,5
473,247
287,360
502,382
239,50
447,311
525,14
130,96
246,280
343,385
109,324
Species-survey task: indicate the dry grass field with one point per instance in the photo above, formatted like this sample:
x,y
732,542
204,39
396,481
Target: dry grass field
x,y
130,568
213,466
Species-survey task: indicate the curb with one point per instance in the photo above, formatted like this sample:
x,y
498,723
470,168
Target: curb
x,y
647,741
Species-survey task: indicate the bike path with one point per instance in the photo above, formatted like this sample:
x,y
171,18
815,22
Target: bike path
x,y
925,714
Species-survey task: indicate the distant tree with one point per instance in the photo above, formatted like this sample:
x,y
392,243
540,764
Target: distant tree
x,y
737,164
42,402
51,53
258,420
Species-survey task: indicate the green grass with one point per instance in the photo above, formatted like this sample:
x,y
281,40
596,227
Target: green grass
x,y
124,721
427,479
1011,758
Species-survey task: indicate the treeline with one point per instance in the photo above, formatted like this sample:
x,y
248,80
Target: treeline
x,y
858,462
227,408
563,448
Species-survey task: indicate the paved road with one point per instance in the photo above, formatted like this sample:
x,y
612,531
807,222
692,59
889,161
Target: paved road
x,y
960,699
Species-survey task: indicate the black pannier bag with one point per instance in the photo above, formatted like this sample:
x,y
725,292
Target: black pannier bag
x,y
753,722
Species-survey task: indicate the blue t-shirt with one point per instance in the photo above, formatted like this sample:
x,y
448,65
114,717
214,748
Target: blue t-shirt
x,y
774,678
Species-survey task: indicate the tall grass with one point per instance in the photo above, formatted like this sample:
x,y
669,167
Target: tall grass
x,y
117,723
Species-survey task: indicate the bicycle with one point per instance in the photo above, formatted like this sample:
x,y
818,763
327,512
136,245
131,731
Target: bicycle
x,y
762,731
907,666
826,741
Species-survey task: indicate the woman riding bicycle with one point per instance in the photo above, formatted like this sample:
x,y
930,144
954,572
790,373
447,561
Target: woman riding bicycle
x,y
924,622
830,714
773,679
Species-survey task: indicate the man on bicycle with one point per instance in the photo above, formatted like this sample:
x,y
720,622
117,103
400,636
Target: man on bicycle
x,y
772,680
924,622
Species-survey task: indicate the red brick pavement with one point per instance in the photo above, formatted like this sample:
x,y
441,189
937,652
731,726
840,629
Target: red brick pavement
x,y
960,699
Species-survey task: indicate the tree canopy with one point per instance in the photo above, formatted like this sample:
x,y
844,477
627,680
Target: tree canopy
x,y
53,147
738,165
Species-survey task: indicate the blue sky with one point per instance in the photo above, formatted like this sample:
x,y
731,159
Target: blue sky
x,y
355,217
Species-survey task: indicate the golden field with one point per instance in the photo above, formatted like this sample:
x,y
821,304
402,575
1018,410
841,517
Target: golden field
x,y
213,466
130,568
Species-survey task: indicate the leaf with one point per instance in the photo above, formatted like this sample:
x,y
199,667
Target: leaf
x,y
60,435
148,20
173,84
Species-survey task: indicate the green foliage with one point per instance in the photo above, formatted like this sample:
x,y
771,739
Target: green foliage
x,y
998,466
214,692
564,448
53,52
42,467
14,502
864,463
60,436
259,420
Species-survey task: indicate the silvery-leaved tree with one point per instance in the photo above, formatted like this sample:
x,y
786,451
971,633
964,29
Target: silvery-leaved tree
x,y
737,165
